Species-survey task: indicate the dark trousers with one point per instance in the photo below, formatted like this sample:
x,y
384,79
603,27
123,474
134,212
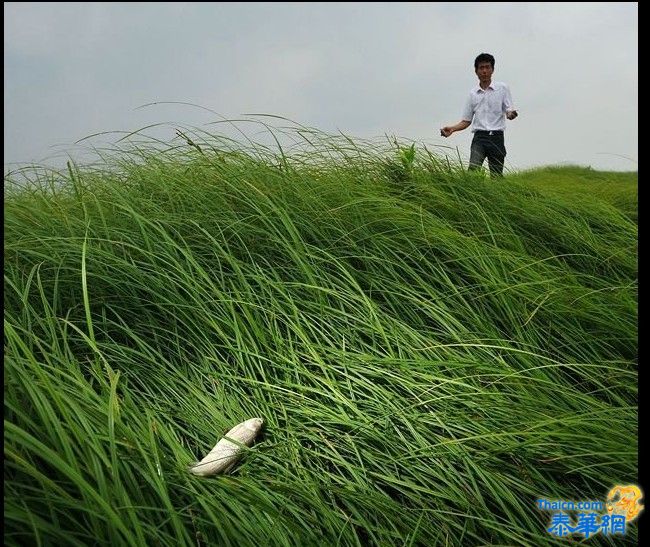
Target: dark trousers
x,y
490,145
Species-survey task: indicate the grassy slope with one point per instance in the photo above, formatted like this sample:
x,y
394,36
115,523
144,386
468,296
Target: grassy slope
x,y
617,188
429,358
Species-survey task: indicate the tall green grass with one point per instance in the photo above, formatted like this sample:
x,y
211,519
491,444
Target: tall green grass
x,y
432,351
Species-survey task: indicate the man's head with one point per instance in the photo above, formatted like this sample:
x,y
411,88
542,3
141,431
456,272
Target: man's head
x,y
483,58
484,67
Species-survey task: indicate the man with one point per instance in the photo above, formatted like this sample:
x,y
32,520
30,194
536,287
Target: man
x,y
487,106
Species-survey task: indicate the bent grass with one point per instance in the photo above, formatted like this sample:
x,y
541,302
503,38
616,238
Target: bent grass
x,y
429,359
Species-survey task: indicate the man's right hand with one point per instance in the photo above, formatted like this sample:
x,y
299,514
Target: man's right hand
x,y
446,131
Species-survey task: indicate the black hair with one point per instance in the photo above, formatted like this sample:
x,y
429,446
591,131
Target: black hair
x,y
484,58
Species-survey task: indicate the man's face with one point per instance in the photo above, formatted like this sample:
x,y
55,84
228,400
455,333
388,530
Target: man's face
x,y
484,71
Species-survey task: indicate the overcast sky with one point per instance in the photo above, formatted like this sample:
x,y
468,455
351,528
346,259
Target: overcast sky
x,y
75,69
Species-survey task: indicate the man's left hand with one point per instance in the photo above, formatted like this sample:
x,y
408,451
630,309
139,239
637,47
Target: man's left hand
x,y
512,114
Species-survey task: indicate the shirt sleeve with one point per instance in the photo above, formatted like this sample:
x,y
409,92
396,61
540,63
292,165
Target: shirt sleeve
x,y
508,105
468,111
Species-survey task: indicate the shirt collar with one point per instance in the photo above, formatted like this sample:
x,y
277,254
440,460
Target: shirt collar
x,y
478,88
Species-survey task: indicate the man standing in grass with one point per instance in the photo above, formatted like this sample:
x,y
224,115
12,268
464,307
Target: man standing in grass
x,y
487,106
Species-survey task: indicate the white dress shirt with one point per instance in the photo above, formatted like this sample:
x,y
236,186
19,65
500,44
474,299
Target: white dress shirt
x,y
486,108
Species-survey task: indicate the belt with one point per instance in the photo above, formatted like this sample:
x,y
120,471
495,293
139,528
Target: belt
x,y
481,132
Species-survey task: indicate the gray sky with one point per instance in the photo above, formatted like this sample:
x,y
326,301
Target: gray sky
x,y
75,69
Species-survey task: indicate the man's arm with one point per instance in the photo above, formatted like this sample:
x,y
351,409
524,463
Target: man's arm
x,y
511,112
449,129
